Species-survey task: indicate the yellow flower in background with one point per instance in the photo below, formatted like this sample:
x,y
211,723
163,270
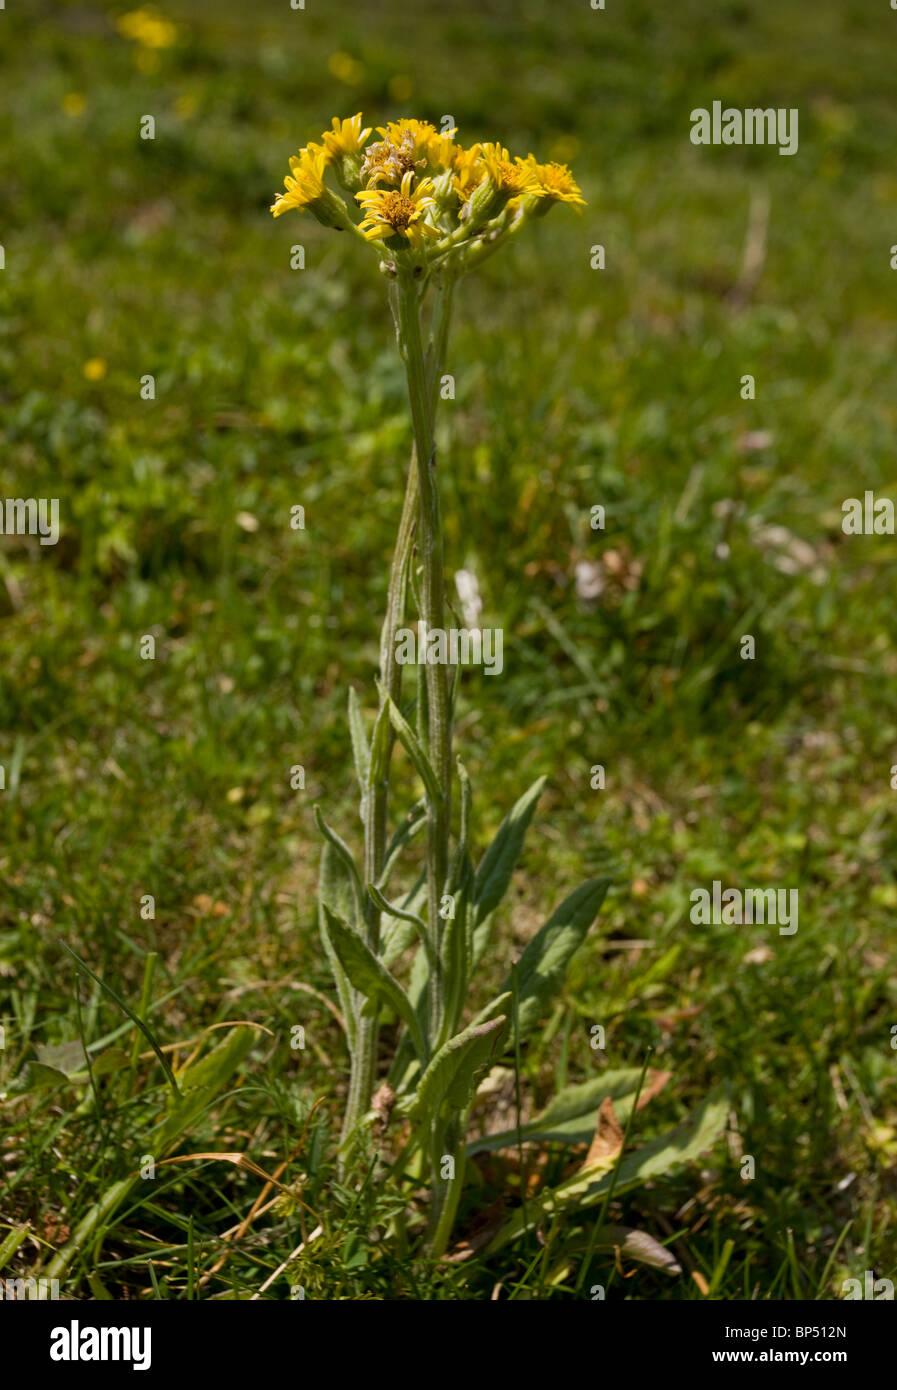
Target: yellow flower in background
x,y
398,211
401,88
94,369
345,137
74,104
305,184
147,27
346,69
512,177
554,182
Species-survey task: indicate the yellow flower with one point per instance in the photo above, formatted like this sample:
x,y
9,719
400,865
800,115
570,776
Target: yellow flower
x,y
147,27
416,136
401,211
510,177
554,182
385,162
306,186
469,170
346,137
94,368
441,150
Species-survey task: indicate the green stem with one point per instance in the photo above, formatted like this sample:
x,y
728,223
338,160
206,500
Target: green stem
x,y
363,1073
433,615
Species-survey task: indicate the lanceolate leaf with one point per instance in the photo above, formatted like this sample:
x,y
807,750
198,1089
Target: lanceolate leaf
x,y
569,1118
543,965
346,858
500,859
335,894
414,748
452,1073
360,751
400,914
371,977
584,1189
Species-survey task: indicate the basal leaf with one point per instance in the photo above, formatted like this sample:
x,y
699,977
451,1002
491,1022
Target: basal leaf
x,y
584,1189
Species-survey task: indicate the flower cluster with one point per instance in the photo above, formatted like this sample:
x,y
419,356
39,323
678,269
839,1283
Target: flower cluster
x,y
419,192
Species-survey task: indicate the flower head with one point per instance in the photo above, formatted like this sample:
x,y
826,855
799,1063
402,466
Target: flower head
x,y
469,170
418,135
305,183
306,190
554,182
390,212
510,177
345,137
387,161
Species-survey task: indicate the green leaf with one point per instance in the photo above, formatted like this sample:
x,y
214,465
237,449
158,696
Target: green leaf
x,y
569,1118
415,750
402,936
498,864
585,1188
453,950
451,1076
360,752
543,965
415,820
403,915
346,858
380,748
371,977
335,896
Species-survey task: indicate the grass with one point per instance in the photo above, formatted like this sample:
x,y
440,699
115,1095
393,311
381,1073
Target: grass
x,y
275,388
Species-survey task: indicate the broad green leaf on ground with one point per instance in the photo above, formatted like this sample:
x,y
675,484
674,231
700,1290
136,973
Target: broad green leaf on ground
x,y
680,1145
570,1116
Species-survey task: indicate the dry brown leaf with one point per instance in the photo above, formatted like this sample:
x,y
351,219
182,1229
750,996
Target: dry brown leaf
x,y
654,1084
607,1143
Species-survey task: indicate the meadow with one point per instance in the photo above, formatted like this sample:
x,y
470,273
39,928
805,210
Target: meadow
x,y
128,779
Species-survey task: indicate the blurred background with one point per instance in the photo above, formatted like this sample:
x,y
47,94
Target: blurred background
x,y
575,387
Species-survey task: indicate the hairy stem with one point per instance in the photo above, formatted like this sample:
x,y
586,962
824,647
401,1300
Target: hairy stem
x,y
420,394
363,1073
